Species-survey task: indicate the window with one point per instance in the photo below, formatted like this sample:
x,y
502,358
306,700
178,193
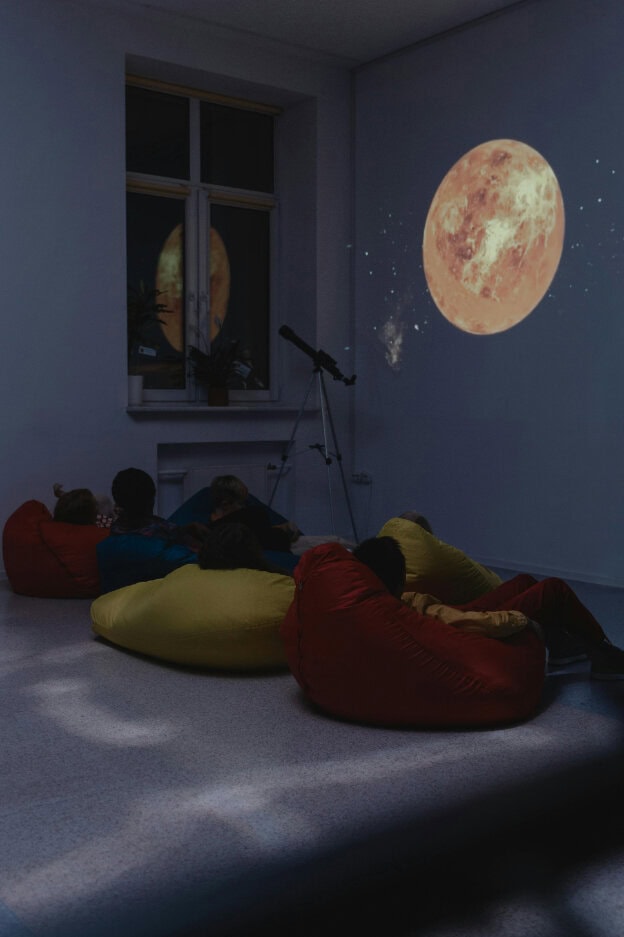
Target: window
x,y
200,220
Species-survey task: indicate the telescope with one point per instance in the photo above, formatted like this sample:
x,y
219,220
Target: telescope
x,y
320,358
322,362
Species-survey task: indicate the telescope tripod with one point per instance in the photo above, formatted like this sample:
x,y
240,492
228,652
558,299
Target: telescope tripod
x,y
329,456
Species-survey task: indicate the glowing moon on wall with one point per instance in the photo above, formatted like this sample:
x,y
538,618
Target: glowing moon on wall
x,y
493,237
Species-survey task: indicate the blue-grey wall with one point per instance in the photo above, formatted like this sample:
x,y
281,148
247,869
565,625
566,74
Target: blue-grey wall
x,y
513,444
63,406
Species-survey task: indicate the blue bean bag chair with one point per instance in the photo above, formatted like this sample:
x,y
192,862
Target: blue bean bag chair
x,y
200,506
124,559
127,558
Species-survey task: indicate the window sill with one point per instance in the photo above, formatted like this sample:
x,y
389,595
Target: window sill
x,y
202,409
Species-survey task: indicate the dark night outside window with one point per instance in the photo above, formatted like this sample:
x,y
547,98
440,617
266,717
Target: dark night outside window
x,y
157,133
236,148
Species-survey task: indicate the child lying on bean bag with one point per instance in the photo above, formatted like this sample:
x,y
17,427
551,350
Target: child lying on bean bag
x,y
360,653
49,558
144,546
436,567
223,618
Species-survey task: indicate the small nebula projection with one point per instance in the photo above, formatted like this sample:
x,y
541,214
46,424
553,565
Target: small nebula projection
x,y
391,337
388,260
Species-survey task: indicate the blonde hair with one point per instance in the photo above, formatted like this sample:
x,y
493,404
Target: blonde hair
x,y
77,506
228,491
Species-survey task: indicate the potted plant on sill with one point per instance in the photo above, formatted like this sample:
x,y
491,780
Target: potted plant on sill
x,y
144,310
213,369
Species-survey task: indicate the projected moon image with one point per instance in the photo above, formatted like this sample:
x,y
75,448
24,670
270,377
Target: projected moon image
x,y
493,237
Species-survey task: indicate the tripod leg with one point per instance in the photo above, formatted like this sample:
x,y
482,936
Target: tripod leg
x,y
325,409
291,441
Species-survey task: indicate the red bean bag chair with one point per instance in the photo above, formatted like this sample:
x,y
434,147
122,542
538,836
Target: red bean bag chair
x,y
46,558
361,654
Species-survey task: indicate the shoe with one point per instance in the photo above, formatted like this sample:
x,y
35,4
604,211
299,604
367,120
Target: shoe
x,y
607,662
564,648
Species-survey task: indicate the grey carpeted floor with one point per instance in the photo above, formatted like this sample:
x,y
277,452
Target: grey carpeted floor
x,y
142,799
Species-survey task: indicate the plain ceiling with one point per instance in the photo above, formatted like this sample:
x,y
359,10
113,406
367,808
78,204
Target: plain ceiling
x,y
354,31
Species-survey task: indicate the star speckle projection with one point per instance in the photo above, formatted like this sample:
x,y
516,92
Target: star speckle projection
x,y
400,308
595,245
403,317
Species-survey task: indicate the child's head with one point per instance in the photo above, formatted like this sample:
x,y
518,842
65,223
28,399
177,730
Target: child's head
x,y
228,492
231,546
384,557
134,492
76,507
417,518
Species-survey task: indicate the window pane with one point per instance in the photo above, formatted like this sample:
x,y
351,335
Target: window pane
x,y
155,239
236,148
244,235
157,133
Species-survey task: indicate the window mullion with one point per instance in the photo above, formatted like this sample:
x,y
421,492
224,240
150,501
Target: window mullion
x,y
195,141
195,245
192,280
203,270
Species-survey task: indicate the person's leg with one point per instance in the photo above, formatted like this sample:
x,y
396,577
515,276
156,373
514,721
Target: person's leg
x,y
503,597
556,607
553,604
549,602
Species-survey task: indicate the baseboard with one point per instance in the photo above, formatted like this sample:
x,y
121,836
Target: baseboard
x,y
545,571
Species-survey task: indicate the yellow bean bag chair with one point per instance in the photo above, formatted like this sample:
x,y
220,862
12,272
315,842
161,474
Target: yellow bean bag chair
x,y
228,619
437,568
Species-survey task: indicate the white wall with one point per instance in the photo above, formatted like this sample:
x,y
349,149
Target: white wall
x,y
63,408
512,444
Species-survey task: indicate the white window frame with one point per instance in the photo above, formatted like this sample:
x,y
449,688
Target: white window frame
x,y
199,196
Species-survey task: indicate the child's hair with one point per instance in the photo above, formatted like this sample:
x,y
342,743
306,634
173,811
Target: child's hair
x,y
417,518
78,506
228,491
134,492
384,557
231,546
